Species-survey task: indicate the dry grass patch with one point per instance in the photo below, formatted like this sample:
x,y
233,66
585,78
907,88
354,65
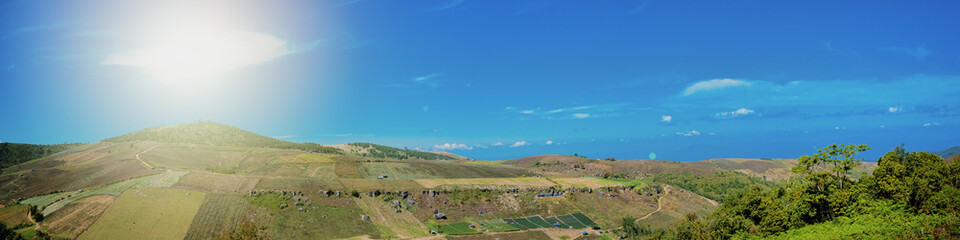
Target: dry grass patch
x,y
584,182
482,182
77,216
217,183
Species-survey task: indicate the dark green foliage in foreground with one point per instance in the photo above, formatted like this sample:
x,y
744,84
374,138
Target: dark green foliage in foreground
x,y
909,195
36,213
629,229
8,233
215,134
380,151
16,153
717,186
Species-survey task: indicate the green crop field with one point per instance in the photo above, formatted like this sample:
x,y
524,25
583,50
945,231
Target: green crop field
x,y
461,228
148,213
498,225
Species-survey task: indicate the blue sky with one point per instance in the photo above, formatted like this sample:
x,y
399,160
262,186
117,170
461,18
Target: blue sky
x,y
492,79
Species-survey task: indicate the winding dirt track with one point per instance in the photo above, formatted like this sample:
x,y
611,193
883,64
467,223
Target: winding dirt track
x,y
145,162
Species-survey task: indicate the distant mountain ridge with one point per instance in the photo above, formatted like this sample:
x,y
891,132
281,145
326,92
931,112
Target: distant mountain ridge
x,y
216,134
950,152
15,153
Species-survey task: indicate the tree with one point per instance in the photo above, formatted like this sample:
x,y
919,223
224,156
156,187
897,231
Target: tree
x,y
630,229
838,159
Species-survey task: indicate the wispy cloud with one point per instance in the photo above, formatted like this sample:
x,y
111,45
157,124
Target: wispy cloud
x,y
733,114
448,5
452,146
931,124
578,112
424,82
284,136
666,119
549,142
497,144
520,144
895,109
920,52
689,133
714,84
34,28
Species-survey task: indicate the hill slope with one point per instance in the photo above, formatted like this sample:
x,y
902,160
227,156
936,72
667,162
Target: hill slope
x,y
950,152
215,134
16,153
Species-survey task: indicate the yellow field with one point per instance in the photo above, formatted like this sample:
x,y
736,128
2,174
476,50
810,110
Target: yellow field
x,y
148,213
517,182
584,182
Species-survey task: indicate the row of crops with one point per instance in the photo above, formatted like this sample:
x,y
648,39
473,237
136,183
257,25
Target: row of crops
x,y
572,221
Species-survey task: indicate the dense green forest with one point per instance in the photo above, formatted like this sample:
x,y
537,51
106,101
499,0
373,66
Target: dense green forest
x,y
909,195
380,151
717,186
215,134
950,152
16,153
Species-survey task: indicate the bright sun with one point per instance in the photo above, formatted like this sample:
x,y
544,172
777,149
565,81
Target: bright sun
x,y
194,49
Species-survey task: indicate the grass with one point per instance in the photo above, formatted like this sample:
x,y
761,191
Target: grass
x,y
148,213
498,225
76,217
13,215
482,182
55,201
460,228
331,220
216,183
404,224
217,214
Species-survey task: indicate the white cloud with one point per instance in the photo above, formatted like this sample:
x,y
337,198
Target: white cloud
x,y
527,111
549,142
201,52
497,144
426,77
520,144
713,85
581,115
895,109
452,146
666,118
689,133
931,124
733,114
284,136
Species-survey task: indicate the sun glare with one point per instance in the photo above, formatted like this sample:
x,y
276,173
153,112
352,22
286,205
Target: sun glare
x,y
184,48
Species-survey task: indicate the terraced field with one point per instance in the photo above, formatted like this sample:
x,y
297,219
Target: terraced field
x,y
485,182
77,216
576,221
461,228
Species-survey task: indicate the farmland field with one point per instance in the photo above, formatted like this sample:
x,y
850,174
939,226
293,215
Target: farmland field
x,y
13,215
217,183
217,214
187,156
498,225
317,221
480,182
568,182
403,224
58,200
379,184
299,183
148,213
77,216
461,228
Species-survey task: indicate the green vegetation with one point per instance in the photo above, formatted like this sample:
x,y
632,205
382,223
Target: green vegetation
x,y
8,233
716,187
909,195
380,151
35,213
215,134
461,228
950,152
16,153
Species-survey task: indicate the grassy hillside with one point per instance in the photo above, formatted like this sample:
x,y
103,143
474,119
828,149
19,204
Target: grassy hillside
x,y
215,134
16,153
950,152
380,151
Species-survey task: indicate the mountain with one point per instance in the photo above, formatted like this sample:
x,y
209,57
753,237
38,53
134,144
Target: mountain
x,y
16,153
950,152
